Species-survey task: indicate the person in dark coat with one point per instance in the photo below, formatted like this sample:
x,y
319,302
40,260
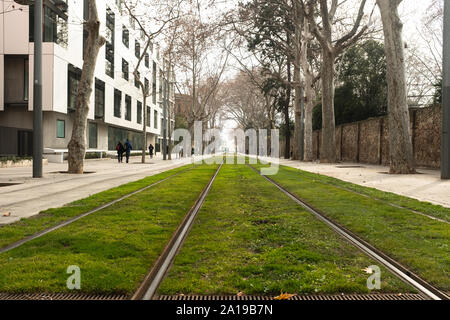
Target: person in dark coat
x,y
128,148
120,149
150,149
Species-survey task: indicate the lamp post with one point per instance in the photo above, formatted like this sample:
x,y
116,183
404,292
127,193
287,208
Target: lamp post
x,y
37,86
445,149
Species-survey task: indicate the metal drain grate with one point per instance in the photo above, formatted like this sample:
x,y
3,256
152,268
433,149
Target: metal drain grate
x,y
59,296
350,297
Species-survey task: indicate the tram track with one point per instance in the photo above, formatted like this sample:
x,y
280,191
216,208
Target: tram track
x,y
148,288
78,217
425,288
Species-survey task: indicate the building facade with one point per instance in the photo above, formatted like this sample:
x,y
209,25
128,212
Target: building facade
x,y
116,109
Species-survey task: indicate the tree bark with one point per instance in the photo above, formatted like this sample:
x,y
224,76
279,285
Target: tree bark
x,y
287,151
308,92
328,148
400,144
77,144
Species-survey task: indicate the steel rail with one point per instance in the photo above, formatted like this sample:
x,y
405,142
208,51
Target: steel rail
x,y
72,220
152,281
395,267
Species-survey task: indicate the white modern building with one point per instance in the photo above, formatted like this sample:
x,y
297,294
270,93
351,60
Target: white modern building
x,y
116,103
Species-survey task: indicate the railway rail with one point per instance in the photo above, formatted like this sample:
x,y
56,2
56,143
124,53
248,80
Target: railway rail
x,y
76,218
149,286
395,267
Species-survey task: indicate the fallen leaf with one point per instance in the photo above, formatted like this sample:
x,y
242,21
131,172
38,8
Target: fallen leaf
x,y
368,270
284,296
7,214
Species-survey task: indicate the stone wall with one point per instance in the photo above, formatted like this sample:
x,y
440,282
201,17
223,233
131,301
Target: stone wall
x,y
368,141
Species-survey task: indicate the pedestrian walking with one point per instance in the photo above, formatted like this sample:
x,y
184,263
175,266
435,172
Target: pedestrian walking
x,y
128,148
120,149
150,149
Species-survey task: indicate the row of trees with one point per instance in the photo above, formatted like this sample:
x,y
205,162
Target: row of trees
x,y
305,49
297,51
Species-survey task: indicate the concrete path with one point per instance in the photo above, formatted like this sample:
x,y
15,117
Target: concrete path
x,y
31,196
425,186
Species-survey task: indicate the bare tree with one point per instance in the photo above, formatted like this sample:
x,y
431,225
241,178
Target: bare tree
x,y
77,144
168,13
202,74
331,49
400,144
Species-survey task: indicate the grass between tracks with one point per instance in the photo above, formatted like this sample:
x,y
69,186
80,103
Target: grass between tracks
x,y
114,247
51,217
249,237
418,242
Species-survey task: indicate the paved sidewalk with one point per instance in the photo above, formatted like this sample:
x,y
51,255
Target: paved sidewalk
x,y
425,186
31,196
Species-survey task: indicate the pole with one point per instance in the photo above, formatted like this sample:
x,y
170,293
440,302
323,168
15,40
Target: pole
x,y
445,150
165,120
37,90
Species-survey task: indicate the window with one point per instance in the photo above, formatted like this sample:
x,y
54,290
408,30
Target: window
x,y
125,36
54,25
146,86
147,60
99,99
136,80
109,35
149,115
74,76
125,69
93,135
137,49
154,83
155,120
60,129
139,112
127,107
86,10
26,79
117,103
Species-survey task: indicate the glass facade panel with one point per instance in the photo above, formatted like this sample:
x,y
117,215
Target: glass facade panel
x,y
60,129
117,103
127,107
93,135
139,112
116,134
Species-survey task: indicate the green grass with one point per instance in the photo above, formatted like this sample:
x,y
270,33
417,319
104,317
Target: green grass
x,y
51,217
249,237
114,248
418,242
430,209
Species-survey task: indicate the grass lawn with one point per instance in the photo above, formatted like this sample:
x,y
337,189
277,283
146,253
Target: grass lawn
x,y
249,237
430,209
418,242
114,247
51,217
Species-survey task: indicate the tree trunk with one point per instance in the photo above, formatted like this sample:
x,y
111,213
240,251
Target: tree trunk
x,y
77,144
328,148
287,151
309,92
298,129
400,144
309,105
